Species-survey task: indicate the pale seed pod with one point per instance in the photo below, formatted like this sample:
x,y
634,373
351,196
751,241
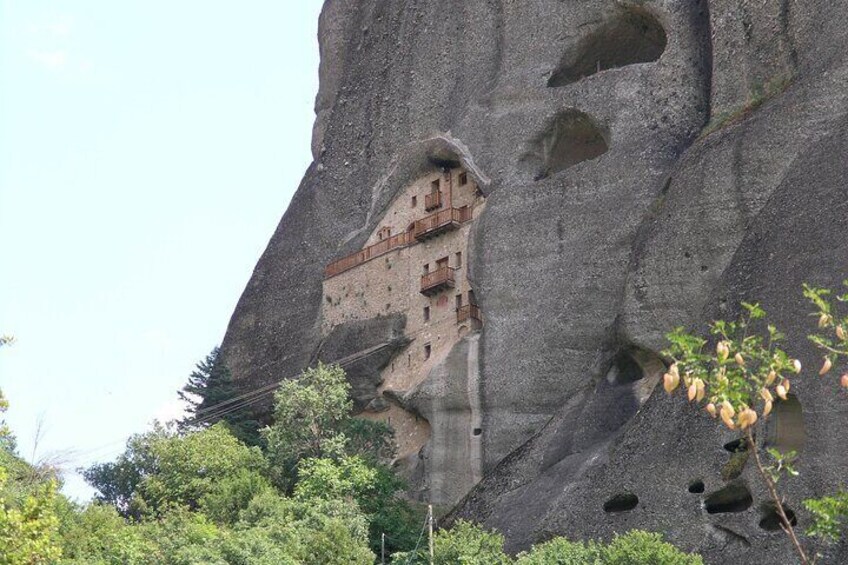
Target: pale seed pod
x,y
700,390
796,365
767,408
764,392
722,351
840,332
781,391
670,382
692,392
771,378
786,384
844,380
739,359
673,370
711,409
728,407
727,417
823,320
742,420
826,366
752,417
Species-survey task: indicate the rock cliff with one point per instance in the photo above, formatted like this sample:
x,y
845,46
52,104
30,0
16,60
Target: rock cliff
x,y
646,164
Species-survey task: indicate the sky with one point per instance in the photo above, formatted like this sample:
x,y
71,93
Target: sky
x,y
147,152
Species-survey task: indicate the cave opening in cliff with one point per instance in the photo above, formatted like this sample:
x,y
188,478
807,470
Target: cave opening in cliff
x,y
571,138
735,497
696,487
621,502
770,519
624,370
631,36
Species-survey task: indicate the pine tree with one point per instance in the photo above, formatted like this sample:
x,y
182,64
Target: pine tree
x,y
209,385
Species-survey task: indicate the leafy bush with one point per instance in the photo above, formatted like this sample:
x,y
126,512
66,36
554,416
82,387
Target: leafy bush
x,y
465,543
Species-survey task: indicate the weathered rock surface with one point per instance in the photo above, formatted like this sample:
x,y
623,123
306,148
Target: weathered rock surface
x,y
589,251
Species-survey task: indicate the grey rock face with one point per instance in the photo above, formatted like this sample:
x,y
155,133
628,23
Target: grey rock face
x,y
363,348
587,252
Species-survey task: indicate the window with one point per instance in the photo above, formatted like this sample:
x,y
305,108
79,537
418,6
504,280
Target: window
x,y
442,263
458,259
414,201
458,301
427,351
434,186
471,298
384,233
426,268
463,179
426,313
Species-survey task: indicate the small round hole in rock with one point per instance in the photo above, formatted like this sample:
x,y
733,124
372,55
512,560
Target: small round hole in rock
x,y
735,497
477,431
737,445
621,502
696,487
770,519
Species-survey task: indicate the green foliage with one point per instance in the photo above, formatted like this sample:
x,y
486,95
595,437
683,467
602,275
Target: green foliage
x,y
645,548
162,470
313,531
309,413
744,374
633,548
560,551
27,524
98,534
117,482
208,386
829,515
330,478
28,520
466,543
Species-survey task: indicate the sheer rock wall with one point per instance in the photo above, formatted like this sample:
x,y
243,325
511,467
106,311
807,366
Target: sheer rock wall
x,y
579,264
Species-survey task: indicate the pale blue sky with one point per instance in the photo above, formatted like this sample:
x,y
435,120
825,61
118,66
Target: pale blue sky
x,y
147,152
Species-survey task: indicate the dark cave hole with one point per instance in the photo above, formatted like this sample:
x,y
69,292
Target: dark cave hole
x,y
477,431
696,487
625,370
737,445
572,137
621,502
735,497
631,36
770,519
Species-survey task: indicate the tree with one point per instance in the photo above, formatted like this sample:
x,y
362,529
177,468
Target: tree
x,y
743,374
162,470
210,395
633,548
315,435
465,543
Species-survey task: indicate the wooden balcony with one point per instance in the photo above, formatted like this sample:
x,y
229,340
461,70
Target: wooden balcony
x,y
367,253
438,280
468,312
433,200
440,222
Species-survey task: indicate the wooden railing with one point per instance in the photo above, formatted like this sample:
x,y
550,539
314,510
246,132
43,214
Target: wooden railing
x,y
435,223
433,200
439,277
422,229
363,255
468,312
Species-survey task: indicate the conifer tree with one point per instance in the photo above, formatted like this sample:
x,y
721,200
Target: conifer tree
x,y
208,393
